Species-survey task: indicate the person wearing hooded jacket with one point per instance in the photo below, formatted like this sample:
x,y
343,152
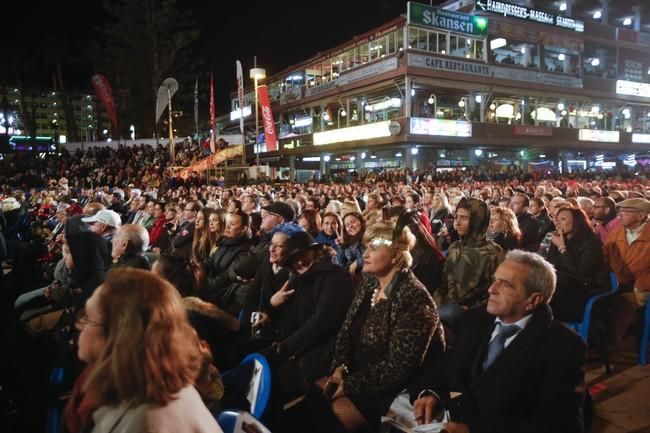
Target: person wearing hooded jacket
x,y
471,262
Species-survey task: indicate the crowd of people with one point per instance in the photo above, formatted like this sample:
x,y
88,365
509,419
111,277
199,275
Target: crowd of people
x,y
392,284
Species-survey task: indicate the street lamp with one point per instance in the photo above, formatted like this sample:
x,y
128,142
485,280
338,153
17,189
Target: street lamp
x,y
257,74
341,113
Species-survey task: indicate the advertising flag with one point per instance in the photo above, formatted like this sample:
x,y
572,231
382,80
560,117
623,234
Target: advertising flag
x,y
267,116
240,95
105,93
213,138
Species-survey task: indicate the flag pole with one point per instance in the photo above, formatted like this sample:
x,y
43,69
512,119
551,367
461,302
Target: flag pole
x,y
171,128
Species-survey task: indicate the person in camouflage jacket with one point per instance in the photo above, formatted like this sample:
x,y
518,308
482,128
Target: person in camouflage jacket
x,y
470,263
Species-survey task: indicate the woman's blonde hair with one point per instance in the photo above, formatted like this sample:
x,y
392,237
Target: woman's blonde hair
x,y
349,206
509,219
386,232
151,350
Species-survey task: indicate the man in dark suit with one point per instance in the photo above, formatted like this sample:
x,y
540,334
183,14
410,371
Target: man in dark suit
x,y
513,368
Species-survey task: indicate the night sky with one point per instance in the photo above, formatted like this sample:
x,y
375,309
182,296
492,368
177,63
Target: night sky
x,y
280,33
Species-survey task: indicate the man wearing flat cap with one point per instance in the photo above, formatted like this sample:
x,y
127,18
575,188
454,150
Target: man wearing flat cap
x,y
627,250
273,214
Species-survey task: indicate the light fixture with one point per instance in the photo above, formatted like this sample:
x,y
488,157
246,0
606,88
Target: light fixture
x,y
626,113
478,99
562,6
564,112
461,103
493,106
597,15
595,109
414,151
595,62
412,92
326,116
344,113
353,158
373,156
541,155
627,21
105,131
363,155
327,158
398,155
561,57
498,43
523,50
478,152
430,101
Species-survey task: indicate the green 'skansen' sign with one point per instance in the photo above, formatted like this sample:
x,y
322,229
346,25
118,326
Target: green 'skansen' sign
x,y
428,16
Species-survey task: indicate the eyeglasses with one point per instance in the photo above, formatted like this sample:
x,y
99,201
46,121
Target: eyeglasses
x,y
83,321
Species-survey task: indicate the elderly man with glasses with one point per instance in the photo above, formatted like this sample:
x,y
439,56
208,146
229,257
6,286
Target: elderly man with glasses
x,y
627,250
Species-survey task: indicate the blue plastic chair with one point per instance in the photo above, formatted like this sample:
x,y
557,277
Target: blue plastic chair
x,y
257,384
53,415
645,335
582,327
232,422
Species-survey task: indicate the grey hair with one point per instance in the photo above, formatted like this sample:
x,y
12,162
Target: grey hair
x,y
541,278
137,236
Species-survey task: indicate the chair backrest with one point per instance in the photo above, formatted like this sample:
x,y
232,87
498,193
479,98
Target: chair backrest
x,y
251,377
240,422
260,389
614,281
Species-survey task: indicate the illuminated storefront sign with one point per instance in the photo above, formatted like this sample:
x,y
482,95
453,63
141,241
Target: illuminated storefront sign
x,y
362,132
641,138
530,14
367,71
598,135
633,88
490,71
236,114
427,16
447,128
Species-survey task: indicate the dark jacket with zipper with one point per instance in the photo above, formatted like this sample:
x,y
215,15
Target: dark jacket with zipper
x,y
222,282
581,273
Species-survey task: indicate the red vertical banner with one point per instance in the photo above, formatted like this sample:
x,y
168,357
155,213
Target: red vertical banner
x,y
105,93
267,116
213,135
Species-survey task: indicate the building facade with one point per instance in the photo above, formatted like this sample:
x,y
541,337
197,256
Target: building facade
x,y
491,82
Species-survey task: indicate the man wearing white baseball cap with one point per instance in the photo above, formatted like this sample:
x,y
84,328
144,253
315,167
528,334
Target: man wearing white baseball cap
x,y
105,223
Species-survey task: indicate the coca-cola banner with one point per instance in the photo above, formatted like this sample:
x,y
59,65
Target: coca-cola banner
x,y
267,116
105,93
